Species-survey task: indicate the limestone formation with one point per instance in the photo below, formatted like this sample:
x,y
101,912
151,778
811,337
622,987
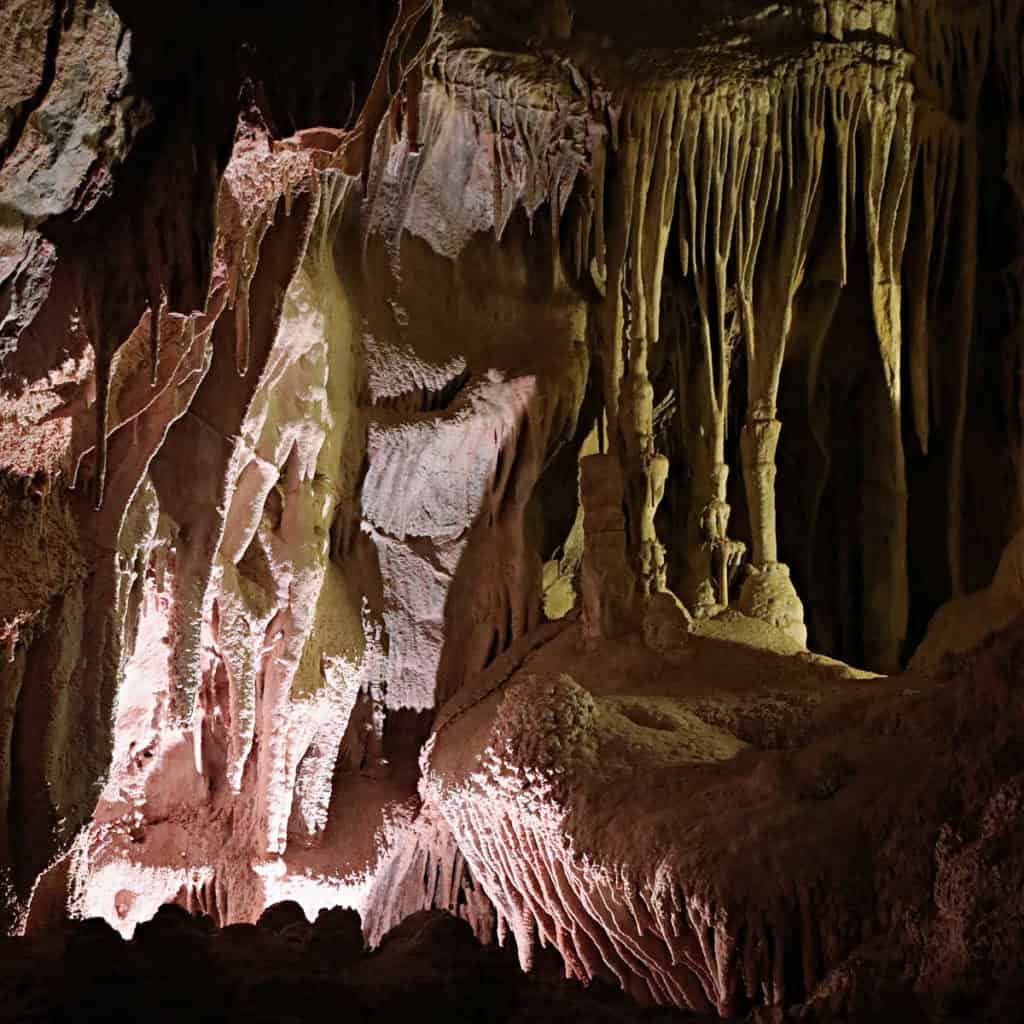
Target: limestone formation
x,y
451,452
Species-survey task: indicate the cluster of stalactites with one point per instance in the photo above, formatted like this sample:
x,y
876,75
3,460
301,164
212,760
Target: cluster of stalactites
x,y
538,130
952,52
733,169
957,51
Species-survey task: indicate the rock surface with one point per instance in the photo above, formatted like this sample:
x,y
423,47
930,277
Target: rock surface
x,y
788,839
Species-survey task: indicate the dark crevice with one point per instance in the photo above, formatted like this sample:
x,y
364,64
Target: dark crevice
x,y
425,400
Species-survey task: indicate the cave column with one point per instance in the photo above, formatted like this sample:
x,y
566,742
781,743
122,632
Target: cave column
x,y
607,584
768,592
643,188
759,442
645,474
717,149
774,278
721,556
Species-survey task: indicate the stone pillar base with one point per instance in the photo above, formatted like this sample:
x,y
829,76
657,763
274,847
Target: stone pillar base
x,y
667,626
768,594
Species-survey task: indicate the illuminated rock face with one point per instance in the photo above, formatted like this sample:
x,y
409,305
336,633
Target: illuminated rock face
x,y
326,382
725,847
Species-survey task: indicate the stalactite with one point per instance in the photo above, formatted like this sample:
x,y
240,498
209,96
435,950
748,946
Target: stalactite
x,y
287,193
240,299
404,50
938,147
94,327
887,140
889,162
845,105
155,314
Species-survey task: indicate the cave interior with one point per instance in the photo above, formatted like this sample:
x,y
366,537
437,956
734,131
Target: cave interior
x,y
512,510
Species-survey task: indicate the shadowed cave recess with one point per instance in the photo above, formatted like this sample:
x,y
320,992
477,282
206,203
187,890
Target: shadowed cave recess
x,y
524,499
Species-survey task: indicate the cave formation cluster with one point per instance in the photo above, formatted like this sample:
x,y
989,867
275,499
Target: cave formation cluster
x,y
434,436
